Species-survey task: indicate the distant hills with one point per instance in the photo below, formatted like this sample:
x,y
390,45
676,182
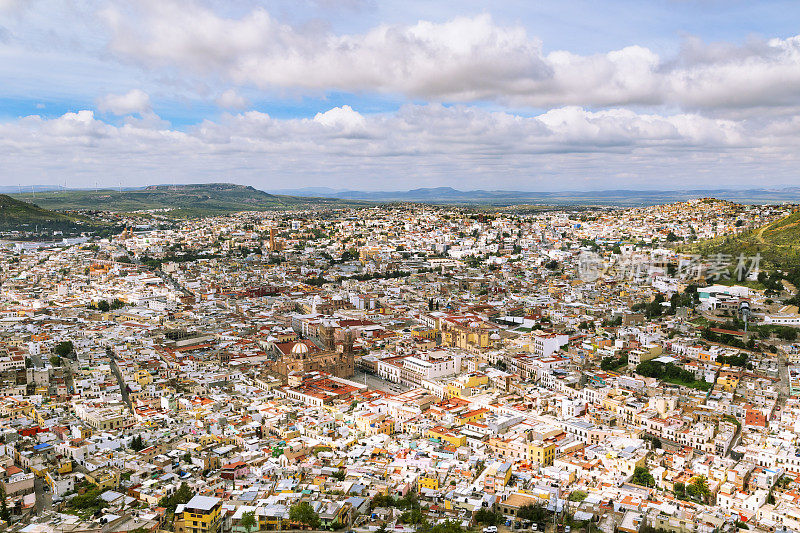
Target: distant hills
x,y
619,197
220,198
183,200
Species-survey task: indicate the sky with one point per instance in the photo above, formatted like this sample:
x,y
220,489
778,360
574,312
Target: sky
x,y
393,95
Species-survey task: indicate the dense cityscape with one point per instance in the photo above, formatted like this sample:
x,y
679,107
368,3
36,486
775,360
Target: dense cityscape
x,y
400,368
384,266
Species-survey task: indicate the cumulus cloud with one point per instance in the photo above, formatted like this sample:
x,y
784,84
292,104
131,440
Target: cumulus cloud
x,y
230,99
463,144
463,59
134,101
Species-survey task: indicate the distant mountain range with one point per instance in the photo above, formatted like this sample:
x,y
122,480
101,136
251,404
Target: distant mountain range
x,y
182,200
219,198
621,197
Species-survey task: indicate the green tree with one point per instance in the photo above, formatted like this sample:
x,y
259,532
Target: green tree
x,y
412,516
698,488
534,512
64,348
249,521
577,496
642,476
55,360
381,500
487,517
303,513
5,514
182,495
137,443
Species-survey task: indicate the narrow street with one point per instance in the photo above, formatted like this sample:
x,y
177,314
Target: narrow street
x,y
122,387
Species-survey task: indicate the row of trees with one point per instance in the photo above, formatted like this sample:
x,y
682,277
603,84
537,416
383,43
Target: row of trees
x,y
104,305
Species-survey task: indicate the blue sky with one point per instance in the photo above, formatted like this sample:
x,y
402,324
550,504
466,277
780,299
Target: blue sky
x,y
368,94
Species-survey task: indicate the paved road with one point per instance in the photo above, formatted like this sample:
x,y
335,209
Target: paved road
x,y
44,500
783,379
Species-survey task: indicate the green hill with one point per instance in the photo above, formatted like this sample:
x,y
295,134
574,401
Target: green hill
x,y
778,243
16,215
182,200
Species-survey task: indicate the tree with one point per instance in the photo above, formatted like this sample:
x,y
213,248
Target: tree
x,y
698,488
64,348
137,443
533,512
182,495
412,516
249,521
488,518
303,513
381,500
55,360
577,496
5,514
680,489
642,476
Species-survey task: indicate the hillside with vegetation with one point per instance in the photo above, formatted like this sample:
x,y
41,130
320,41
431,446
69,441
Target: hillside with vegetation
x,y
24,217
180,200
778,244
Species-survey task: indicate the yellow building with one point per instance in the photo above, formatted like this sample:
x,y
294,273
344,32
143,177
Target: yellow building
x,y
467,332
728,382
448,436
200,515
463,386
104,478
542,452
143,378
428,481
375,423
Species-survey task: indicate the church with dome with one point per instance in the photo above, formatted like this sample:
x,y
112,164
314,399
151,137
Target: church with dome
x,y
319,355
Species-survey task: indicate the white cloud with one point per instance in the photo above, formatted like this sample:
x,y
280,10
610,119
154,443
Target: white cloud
x,y
134,101
344,119
230,99
462,146
462,59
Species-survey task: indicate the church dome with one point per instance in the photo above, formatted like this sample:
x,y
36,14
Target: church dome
x,y
299,348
